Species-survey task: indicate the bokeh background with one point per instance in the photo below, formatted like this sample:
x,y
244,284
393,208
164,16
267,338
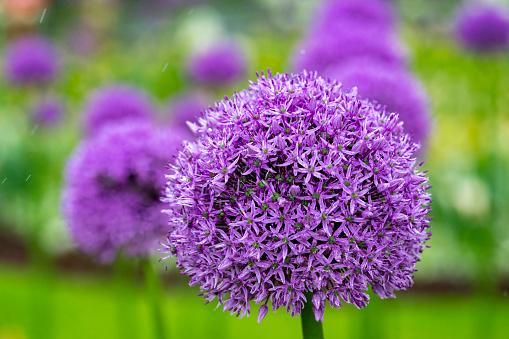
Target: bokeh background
x,y
50,289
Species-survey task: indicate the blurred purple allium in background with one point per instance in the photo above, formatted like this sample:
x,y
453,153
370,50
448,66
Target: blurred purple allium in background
x,y
186,107
223,63
391,86
483,27
344,42
295,186
82,40
377,13
31,60
113,104
48,112
113,189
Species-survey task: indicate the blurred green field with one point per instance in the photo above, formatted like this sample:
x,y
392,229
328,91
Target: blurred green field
x,y
88,307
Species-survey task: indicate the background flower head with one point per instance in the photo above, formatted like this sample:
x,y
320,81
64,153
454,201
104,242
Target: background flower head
x,y
186,107
113,188
48,112
295,186
221,64
31,60
391,86
483,27
377,13
114,104
343,42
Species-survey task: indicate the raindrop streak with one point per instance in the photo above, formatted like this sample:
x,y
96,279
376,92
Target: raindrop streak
x,y
28,177
43,14
165,66
4,180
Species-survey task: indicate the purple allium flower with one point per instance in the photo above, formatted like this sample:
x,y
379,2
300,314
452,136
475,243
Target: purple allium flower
x,y
221,64
113,189
48,112
186,107
344,42
483,27
388,85
295,186
377,13
31,60
113,104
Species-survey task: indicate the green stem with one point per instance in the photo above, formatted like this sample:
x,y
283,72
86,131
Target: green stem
x,y
311,329
153,289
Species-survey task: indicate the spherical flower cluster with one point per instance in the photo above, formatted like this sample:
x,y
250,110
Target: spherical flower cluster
x,y
483,28
372,12
186,107
391,86
31,60
295,186
113,104
221,64
344,42
113,189
48,112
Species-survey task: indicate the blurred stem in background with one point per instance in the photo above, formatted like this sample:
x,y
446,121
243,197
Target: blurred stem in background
x,y
126,310
41,299
153,290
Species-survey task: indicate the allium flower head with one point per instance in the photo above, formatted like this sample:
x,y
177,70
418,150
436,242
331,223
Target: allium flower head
x,y
113,189
113,104
48,112
483,27
296,186
391,86
377,13
186,107
345,42
31,60
221,64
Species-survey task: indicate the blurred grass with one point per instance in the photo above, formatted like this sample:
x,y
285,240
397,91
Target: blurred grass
x,y
86,308
467,158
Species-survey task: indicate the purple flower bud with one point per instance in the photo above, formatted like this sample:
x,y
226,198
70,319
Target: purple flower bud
x,y
294,189
262,312
316,300
272,224
383,292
